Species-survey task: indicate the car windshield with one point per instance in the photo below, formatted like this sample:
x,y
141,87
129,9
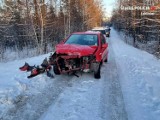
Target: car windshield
x,y
82,39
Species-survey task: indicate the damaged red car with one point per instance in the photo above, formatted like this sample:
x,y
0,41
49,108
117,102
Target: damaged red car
x,y
81,51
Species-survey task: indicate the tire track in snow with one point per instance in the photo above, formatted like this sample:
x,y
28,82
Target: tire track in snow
x,y
34,106
112,97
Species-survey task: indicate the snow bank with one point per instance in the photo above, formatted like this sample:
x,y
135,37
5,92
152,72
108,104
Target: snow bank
x,y
14,83
140,79
149,46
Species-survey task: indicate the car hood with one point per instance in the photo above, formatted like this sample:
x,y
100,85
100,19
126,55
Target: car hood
x,y
71,49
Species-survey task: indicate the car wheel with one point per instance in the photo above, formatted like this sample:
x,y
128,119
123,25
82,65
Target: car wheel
x,y
56,70
106,60
97,74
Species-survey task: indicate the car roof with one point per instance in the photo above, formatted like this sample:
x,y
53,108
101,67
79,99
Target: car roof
x,y
87,32
107,26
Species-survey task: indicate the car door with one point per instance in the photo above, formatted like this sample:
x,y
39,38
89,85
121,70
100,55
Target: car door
x,y
104,47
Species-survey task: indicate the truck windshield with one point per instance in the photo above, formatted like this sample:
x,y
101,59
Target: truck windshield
x,y
107,30
82,39
102,31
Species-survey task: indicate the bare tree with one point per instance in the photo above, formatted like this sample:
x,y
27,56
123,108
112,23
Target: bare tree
x,y
34,25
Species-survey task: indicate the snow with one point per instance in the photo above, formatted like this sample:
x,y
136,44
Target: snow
x,y
139,74
77,102
14,83
128,89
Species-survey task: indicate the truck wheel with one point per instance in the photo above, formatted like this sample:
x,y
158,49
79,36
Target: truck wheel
x,y
56,70
97,74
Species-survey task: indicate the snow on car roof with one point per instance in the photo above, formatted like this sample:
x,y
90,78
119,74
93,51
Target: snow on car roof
x,y
98,28
90,31
87,32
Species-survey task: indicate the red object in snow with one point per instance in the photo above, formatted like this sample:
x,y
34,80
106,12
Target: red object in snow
x,y
34,71
24,68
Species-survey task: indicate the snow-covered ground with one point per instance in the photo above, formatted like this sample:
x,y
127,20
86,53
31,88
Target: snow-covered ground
x,y
14,83
139,74
128,89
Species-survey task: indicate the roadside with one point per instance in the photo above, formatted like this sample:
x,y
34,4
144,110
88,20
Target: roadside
x,y
139,74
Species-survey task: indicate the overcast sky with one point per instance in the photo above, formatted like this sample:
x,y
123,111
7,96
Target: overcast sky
x,y
109,5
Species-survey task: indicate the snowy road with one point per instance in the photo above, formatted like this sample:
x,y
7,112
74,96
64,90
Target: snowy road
x,y
112,89
128,90
31,107
72,98
91,99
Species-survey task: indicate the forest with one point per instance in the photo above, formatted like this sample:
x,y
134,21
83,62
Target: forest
x,y
33,27
139,21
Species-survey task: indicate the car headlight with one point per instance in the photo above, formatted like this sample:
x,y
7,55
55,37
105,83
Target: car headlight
x,y
88,58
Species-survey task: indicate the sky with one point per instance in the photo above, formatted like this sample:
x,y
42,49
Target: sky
x,y
109,5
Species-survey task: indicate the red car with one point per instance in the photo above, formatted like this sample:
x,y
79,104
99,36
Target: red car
x,y
81,51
